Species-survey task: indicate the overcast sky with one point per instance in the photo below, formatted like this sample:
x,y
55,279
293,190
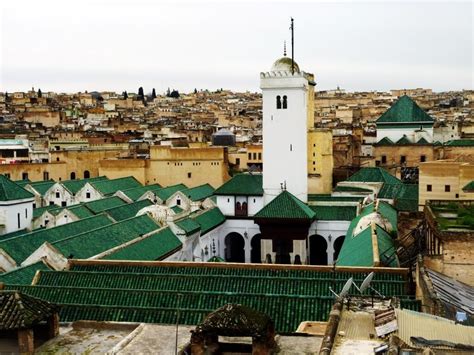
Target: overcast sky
x,y
78,45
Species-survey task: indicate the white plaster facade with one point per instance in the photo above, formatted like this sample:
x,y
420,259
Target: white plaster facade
x,y
88,193
413,133
227,204
59,195
16,215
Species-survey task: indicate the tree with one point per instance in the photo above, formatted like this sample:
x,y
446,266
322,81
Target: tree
x,y
40,94
174,94
140,93
195,91
125,95
153,94
168,93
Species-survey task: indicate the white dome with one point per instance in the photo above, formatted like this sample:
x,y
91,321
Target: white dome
x,y
284,64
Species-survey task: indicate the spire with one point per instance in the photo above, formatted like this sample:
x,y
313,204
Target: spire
x,y
284,48
292,28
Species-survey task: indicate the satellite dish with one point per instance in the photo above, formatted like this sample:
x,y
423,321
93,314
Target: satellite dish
x,y
344,290
366,283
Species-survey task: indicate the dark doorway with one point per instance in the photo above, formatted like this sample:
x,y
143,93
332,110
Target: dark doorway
x,y
338,245
87,174
255,254
282,248
317,250
234,248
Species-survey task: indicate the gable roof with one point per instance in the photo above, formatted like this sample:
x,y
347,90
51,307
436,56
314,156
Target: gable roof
x,y
80,211
10,191
422,140
109,187
334,213
73,186
404,140
128,210
469,187
385,141
21,247
405,111
209,219
136,192
188,225
94,242
23,275
20,311
166,192
41,186
242,185
103,204
286,205
460,143
154,247
38,212
374,174
199,193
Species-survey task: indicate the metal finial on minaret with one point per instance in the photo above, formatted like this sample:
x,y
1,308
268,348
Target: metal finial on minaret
x,y
284,48
292,28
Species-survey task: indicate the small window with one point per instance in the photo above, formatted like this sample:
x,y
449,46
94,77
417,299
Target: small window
x,y
7,175
45,176
73,176
457,195
57,159
237,161
51,203
58,194
178,202
314,163
259,156
253,200
254,156
26,212
423,158
63,203
384,159
88,195
429,188
18,220
228,200
34,205
24,176
87,174
189,175
250,156
278,102
285,102
447,188
403,159
291,147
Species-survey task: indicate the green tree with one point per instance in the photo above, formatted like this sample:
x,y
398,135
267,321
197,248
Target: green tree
x,y
153,94
125,95
40,94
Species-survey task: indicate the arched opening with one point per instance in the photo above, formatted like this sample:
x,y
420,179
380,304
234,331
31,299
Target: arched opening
x,y
278,102
297,260
338,245
234,248
73,176
87,174
317,250
285,102
255,253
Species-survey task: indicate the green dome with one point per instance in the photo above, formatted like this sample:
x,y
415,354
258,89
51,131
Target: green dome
x,y
284,64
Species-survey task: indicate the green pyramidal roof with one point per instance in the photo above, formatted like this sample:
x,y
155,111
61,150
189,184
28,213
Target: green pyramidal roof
x,y
285,205
404,111
242,185
404,140
469,187
9,191
374,174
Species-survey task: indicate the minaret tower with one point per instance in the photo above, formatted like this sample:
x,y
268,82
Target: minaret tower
x,y
288,109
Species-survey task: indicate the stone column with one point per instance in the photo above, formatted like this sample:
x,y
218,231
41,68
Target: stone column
x,y
26,342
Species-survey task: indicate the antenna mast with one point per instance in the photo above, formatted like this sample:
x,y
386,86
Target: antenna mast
x,y
292,28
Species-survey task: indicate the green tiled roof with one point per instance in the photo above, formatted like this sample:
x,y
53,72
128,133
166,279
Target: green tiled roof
x,y
385,141
10,191
166,192
127,211
404,195
285,205
199,193
23,275
177,209
109,187
335,213
188,225
136,192
42,186
91,243
469,187
22,183
73,186
358,250
37,212
21,247
374,175
80,211
155,247
103,204
460,143
422,140
346,188
404,140
389,212
364,212
13,234
404,111
330,198
209,220
242,185
147,293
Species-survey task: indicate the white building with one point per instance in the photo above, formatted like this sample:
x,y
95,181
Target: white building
x,y
16,207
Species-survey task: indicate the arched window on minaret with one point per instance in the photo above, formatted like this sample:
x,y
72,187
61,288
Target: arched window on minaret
x,y
285,102
278,102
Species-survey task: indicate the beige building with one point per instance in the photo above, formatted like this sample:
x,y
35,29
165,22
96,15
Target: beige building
x,y
320,161
445,180
168,166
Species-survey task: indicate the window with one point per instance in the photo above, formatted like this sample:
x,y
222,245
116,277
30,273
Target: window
x,y
457,195
7,175
73,176
18,220
259,156
250,156
285,102
34,205
178,202
58,194
403,159
447,188
26,212
51,203
45,176
254,156
189,175
423,158
24,176
253,200
237,161
63,203
278,102
87,174
314,163
88,195
228,200
291,147
429,188
57,159
384,159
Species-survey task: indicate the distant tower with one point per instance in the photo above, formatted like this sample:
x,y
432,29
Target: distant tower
x,y
288,111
